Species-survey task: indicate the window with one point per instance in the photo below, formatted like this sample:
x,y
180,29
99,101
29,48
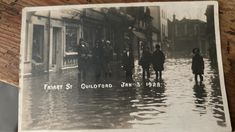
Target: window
x,y
71,39
38,41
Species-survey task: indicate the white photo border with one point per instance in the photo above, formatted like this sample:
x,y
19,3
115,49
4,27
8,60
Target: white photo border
x,y
139,4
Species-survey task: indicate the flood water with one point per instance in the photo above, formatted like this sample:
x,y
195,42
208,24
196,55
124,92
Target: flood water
x,y
176,104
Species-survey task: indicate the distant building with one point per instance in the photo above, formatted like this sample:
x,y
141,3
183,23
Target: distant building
x,y
160,25
187,34
140,31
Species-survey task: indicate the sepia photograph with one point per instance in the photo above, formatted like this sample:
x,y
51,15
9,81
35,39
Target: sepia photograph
x,y
150,66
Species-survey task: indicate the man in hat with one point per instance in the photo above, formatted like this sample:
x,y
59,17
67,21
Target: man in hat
x,y
128,64
108,56
158,61
83,57
197,65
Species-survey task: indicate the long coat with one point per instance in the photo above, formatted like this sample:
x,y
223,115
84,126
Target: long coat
x,y
145,60
83,52
98,57
128,61
158,59
198,64
108,54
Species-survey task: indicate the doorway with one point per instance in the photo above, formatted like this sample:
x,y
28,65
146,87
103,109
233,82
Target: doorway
x,y
55,49
38,42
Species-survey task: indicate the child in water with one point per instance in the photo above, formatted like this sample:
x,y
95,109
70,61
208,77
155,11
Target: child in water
x,y
197,65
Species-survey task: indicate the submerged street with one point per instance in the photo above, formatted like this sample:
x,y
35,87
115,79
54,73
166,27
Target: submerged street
x,y
175,103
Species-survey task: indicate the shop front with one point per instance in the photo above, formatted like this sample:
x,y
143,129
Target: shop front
x,y
50,44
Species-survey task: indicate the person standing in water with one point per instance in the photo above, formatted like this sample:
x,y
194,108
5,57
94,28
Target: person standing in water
x,y
158,62
145,62
128,64
197,65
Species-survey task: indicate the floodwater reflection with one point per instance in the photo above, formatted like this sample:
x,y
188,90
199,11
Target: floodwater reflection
x,y
175,103
200,98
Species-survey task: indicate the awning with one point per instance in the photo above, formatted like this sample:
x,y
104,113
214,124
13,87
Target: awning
x,y
139,35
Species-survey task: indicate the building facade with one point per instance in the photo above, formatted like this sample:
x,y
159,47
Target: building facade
x,y
160,25
187,34
52,37
139,34
210,31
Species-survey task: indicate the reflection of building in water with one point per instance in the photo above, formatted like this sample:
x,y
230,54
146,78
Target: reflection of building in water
x,y
187,34
217,101
148,98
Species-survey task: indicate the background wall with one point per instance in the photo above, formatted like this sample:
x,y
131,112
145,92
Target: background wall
x,y
10,26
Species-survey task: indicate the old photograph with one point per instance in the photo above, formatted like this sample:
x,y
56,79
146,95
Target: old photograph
x,y
153,66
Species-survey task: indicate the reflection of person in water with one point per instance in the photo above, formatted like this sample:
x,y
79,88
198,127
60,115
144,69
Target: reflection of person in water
x,y
200,95
197,65
156,93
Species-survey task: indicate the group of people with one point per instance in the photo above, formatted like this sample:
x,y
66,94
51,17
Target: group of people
x,y
157,60
100,57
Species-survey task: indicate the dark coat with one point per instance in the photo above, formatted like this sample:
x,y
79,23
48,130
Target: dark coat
x,y
82,56
145,60
158,59
98,55
108,54
128,62
98,59
198,64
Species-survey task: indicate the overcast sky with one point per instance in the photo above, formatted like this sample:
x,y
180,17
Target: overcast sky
x,y
190,11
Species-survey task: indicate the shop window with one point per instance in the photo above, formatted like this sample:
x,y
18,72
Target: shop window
x,y
38,41
71,39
